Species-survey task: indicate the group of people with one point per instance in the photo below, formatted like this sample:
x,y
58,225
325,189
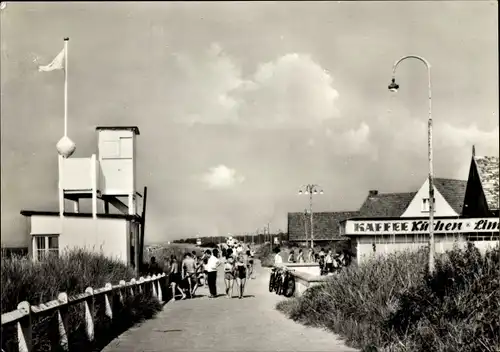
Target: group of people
x,y
329,262
186,276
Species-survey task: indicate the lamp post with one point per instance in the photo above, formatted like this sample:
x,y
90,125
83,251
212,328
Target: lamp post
x,y
393,87
311,189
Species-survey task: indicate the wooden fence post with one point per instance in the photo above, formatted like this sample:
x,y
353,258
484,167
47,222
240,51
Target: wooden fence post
x,y
132,282
141,281
153,286
108,300
160,293
62,320
24,328
120,291
89,313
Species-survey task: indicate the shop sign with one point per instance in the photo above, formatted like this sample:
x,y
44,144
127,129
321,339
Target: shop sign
x,y
408,227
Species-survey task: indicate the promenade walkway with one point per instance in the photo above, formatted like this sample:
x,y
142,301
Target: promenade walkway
x,y
250,324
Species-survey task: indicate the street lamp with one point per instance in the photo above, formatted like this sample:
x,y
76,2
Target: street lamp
x,y
393,87
311,189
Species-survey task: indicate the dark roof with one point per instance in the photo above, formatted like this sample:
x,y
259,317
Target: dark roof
x,y
385,205
81,215
487,168
453,191
135,129
326,225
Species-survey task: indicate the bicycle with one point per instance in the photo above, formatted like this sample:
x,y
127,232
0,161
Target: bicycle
x,y
288,288
272,279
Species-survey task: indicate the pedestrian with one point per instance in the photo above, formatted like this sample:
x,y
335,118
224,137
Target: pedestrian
x,y
189,271
278,261
241,274
250,264
329,262
291,257
229,276
300,256
175,277
211,268
153,267
310,256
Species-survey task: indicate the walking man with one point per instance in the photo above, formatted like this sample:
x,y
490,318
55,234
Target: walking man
x,y
211,268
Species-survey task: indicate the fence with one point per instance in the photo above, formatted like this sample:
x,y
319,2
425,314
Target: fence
x,y
22,316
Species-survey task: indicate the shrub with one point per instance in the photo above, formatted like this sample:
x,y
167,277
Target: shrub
x,y
393,304
72,272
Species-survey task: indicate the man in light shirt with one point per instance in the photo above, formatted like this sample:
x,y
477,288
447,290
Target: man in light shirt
x,y
278,260
211,268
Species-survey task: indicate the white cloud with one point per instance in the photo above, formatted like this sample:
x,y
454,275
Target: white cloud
x,y
221,176
292,90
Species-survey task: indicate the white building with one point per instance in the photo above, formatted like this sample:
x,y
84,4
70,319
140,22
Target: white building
x,y
105,179
398,221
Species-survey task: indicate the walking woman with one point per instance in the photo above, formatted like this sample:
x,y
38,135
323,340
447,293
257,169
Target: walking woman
x,y
249,258
241,274
175,277
229,276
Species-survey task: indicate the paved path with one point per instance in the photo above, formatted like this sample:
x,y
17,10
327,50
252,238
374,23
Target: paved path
x,y
250,324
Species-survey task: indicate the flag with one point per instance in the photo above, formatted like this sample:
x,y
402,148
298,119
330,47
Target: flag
x,y
56,64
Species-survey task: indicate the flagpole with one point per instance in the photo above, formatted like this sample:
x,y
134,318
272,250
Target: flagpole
x,y
66,40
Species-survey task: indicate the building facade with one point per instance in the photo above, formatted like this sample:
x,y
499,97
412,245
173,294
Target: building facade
x,y
105,179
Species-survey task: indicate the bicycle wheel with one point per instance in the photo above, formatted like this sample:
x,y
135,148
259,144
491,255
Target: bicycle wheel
x,y
271,282
289,287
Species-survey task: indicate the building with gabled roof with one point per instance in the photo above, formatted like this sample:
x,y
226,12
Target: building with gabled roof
x,y
326,225
448,198
482,190
385,204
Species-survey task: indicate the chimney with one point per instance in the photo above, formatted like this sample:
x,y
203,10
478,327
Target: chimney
x,y
372,193
473,150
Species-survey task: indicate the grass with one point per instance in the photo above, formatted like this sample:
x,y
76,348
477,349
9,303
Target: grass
x,y
72,272
393,304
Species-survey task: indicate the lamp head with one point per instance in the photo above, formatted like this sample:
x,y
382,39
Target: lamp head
x,y
300,192
393,87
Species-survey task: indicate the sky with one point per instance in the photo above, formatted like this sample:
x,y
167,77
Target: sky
x,y
240,103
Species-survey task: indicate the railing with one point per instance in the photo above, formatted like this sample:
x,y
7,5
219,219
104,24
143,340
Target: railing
x,y
22,316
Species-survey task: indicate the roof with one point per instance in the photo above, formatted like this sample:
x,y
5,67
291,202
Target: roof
x,y
385,205
81,215
326,225
135,129
453,191
487,168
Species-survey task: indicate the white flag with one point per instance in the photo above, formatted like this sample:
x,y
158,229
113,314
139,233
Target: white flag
x,y
56,64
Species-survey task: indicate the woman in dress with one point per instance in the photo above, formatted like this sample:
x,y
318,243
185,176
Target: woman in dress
x,y
241,273
229,275
175,277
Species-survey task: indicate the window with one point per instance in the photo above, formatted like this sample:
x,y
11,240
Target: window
x,y
425,204
44,246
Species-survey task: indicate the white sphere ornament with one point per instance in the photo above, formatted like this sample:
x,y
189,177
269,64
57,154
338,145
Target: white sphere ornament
x,y
65,147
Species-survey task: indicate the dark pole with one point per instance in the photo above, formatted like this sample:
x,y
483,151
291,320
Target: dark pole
x,y
143,225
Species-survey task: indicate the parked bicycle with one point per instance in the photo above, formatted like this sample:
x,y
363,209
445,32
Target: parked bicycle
x,y
282,282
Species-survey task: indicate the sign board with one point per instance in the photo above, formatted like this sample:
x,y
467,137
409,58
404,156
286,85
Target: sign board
x,y
410,227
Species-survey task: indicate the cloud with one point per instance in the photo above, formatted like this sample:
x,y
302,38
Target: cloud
x,y
221,177
292,90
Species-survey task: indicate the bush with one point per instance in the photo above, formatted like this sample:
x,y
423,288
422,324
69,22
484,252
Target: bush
x,y
72,272
393,304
